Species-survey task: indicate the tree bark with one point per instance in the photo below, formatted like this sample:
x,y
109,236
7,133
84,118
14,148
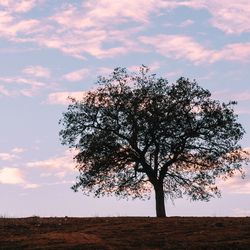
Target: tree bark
x,y
159,200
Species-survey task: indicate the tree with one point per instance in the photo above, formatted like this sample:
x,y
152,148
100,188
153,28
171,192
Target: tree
x,y
136,133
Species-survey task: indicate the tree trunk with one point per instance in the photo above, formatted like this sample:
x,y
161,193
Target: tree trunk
x,y
159,199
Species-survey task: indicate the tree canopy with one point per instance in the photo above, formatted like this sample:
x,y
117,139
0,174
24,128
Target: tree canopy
x,y
136,133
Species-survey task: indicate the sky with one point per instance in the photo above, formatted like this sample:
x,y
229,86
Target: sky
x,y
50,50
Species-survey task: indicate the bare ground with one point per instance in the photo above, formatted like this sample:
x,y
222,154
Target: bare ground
x,y
125,233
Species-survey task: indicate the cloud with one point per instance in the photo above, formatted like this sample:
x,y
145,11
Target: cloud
x,y
178,47
105,12
77,75
185,47
11,176
108,28
237,96
60,166
18,150
62,98
241,212
232,17
104,71
15,176
88,28
186,23
11,27
22,86
19,6
55,163
37,71
236,184
152,66
233,52
4,91
31,186
98,42
7,157
13,154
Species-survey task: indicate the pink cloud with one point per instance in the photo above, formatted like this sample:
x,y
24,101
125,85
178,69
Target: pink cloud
x,y
232,17
79,29
185,47
31,185
120,11
76,75
233,52
238,96
85,29
58,166
23,86
20,6
186,23
152,66
78,42
37,71
18,150
13,154
7,156
241,212
178,47
236,184
62,98
11,176
11,27
104,71
4,91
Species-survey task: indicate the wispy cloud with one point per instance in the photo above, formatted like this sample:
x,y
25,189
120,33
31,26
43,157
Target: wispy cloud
x,y
31,185
104,71
233,52
62,98
4,91
155,65
185,47
77,75
81,29
19,5
178,47
225,13
106,12
59,166
18,150
11,27
232,17
241,212
186,23
13,154
92,28
15,86
7,156
15,176
236,184
37,71
11,176
237,96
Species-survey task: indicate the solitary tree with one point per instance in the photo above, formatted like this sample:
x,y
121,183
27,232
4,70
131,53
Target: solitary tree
x,y
137,132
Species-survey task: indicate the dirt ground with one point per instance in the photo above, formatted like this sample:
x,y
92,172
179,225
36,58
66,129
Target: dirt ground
x,y
125,233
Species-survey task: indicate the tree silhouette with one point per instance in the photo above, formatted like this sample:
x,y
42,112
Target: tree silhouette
x,y
136,133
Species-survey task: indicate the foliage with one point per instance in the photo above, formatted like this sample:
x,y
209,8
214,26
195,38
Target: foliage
x,y
137,131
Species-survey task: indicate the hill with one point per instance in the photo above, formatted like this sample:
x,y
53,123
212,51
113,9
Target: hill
x,y
125,233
